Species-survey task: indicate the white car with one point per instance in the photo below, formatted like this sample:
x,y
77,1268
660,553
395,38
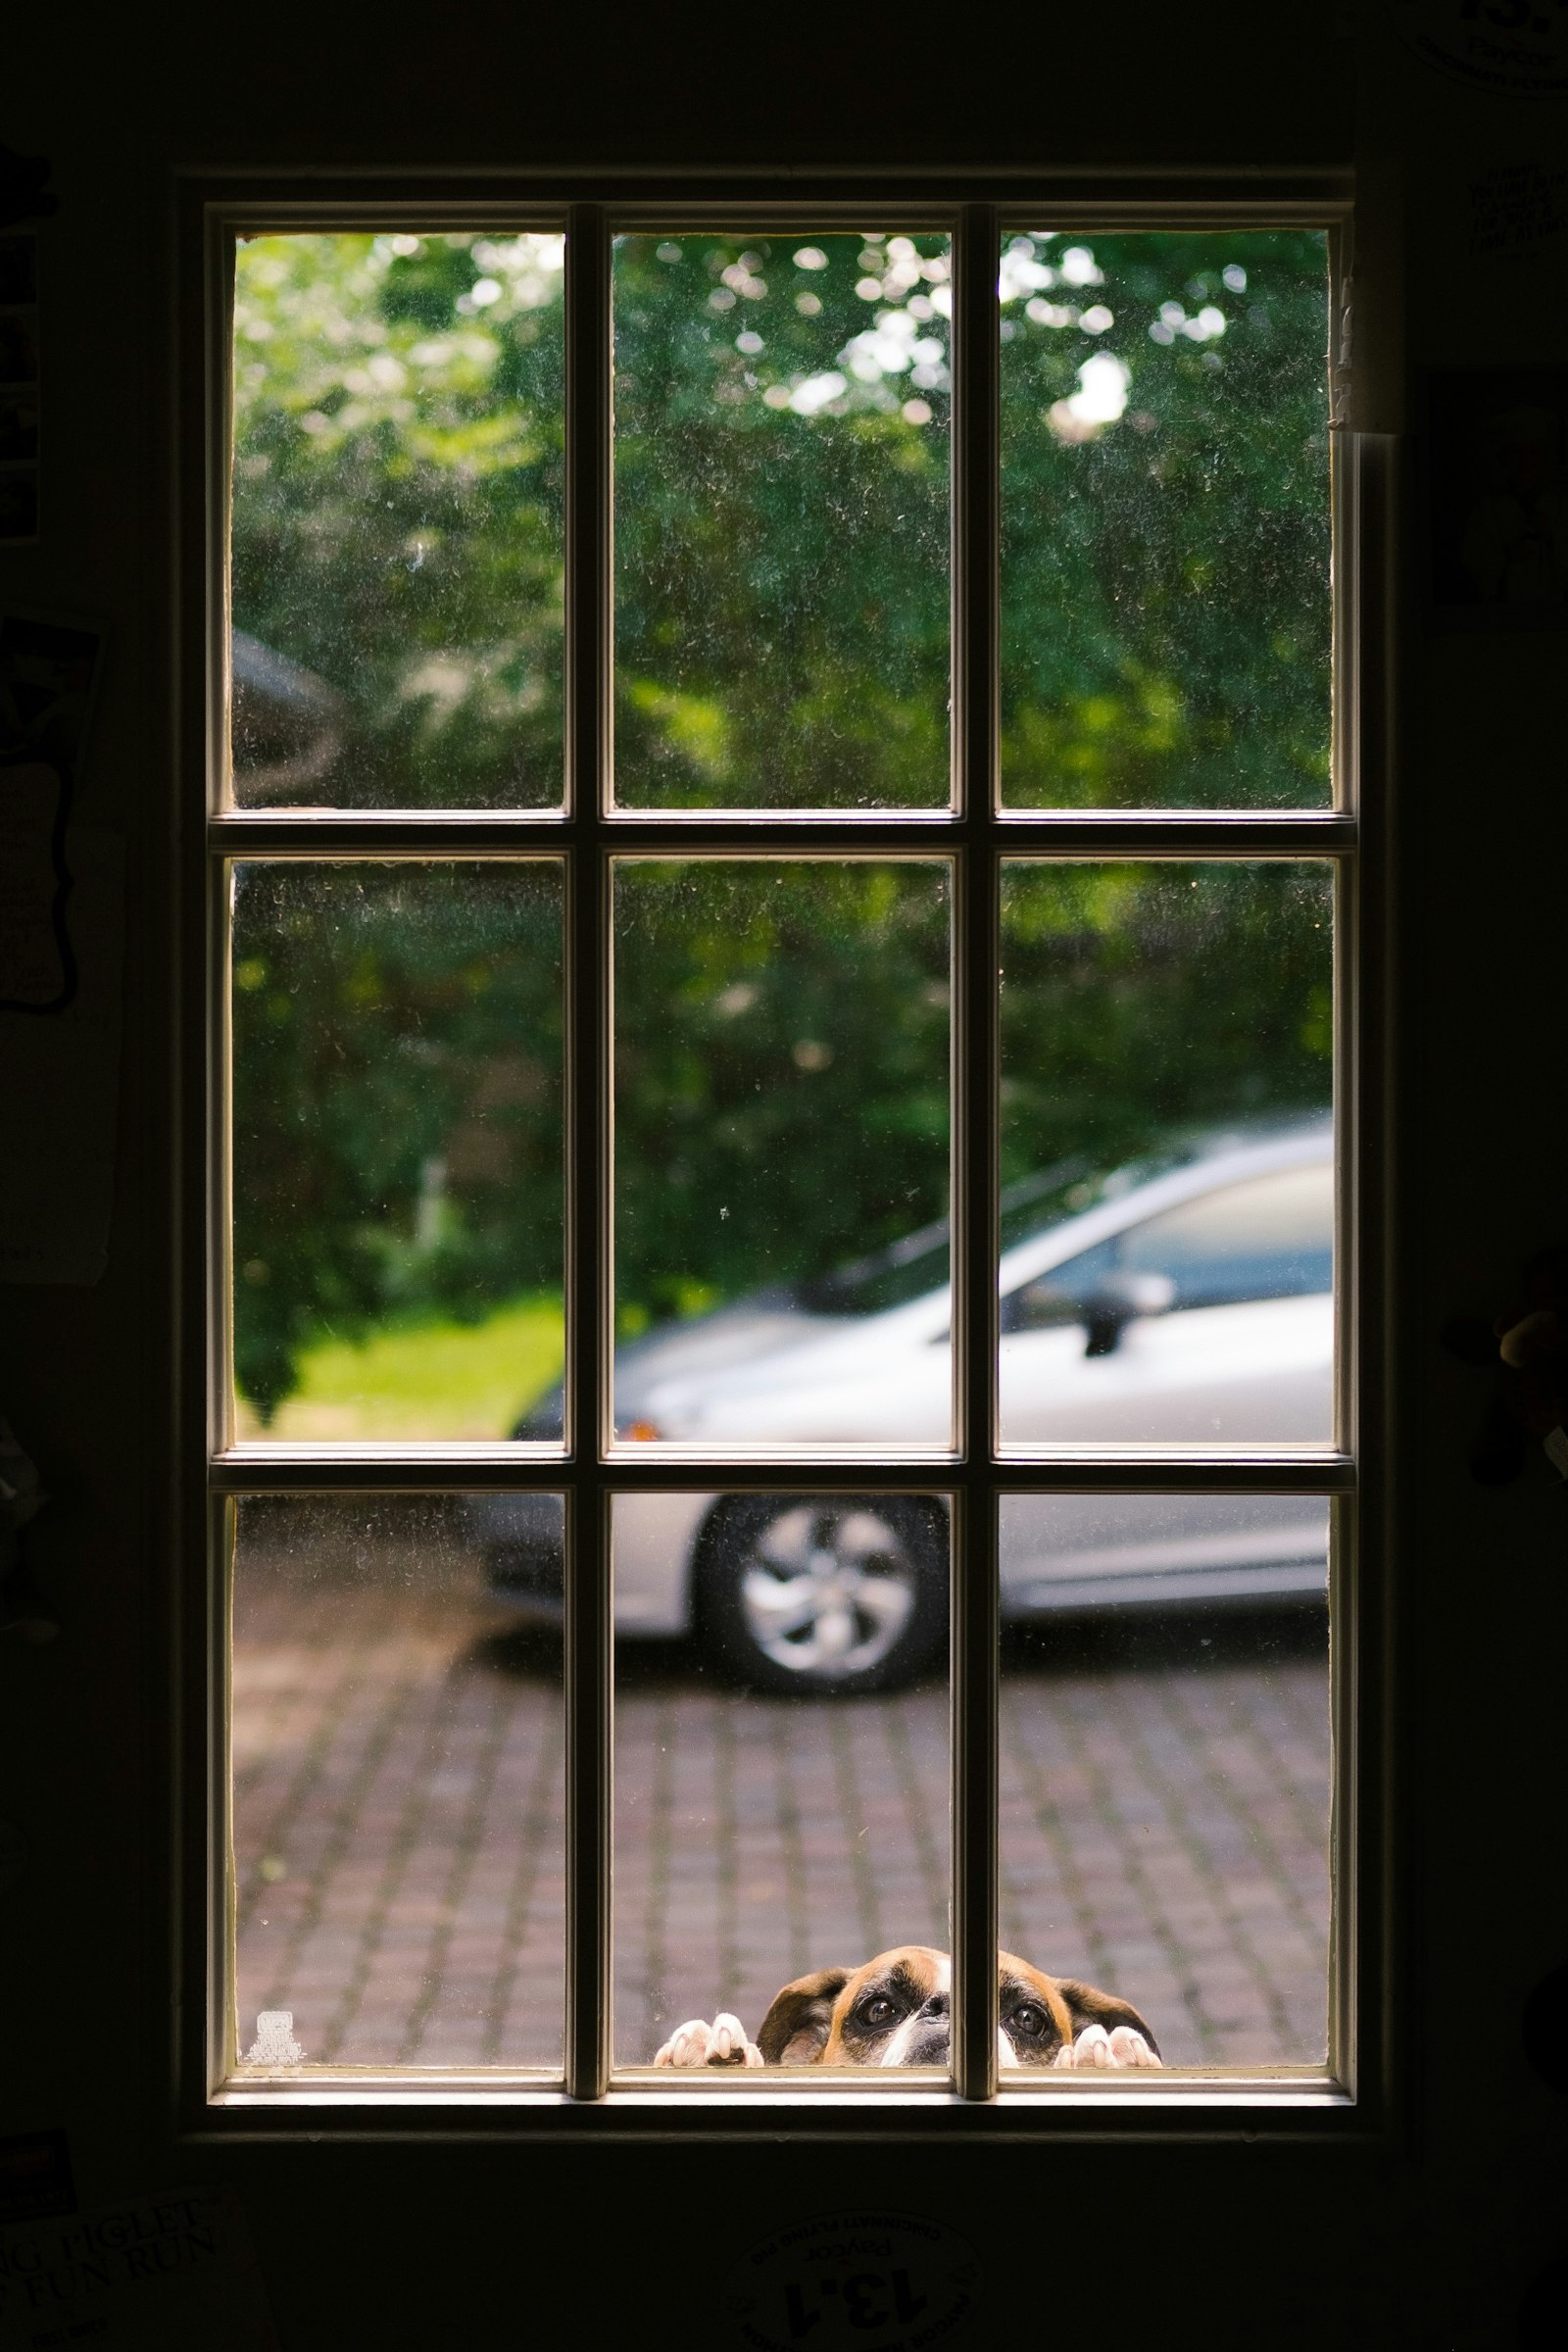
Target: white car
x,y
1184,1303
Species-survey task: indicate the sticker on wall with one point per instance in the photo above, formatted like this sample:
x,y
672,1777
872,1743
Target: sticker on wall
x,y
173,2273
48,670
882,2282
19,386
1497,451
1517,209
1518,48
36,2183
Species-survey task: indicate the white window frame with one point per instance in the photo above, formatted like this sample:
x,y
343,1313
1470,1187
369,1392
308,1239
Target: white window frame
x,y
1349,2097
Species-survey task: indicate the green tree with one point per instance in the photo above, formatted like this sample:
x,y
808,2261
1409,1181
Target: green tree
x,y
1165,601
398,502
782,639
396,1099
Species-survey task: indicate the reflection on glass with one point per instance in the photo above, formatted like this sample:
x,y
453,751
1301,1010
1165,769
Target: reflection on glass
x,y
782,521
396,1148
1166,1763
1165,610
398,508
1167,1050
397,1793
781,1152
781,1779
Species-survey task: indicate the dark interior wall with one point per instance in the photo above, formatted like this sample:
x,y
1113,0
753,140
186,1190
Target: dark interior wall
x,y
1427,2236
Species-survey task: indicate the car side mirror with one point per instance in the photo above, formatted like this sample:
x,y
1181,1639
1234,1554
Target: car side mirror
x,y
1118,1299
1039,1306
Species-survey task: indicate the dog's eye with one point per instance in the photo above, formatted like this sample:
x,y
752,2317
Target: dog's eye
x,y
878,2011
1028,2020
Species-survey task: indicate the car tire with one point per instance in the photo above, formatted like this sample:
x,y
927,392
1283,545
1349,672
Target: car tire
x,y
815,1596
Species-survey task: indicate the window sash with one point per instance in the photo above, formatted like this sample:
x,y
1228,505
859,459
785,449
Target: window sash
x,y
978,834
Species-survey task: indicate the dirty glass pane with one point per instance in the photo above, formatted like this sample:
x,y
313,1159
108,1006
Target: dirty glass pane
x,y
397,1173
781,1770
1167,1154
781,1152
398,517
1165,1765
782,409
397,1791
1165,612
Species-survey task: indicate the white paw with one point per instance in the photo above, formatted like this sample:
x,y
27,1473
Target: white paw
x,y
1092,2048
1125,2046
1128,2048
688,2045
729,2046
721,2043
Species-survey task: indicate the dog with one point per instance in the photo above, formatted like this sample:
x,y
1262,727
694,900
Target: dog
x,y
897,2011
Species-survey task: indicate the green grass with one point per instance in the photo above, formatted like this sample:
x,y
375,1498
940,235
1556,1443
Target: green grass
x,y
423,1380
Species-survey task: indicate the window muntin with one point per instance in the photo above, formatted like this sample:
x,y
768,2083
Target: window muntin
x,y
588,1936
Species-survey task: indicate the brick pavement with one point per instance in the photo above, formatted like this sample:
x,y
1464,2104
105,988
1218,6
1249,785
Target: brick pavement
x,y
398,1828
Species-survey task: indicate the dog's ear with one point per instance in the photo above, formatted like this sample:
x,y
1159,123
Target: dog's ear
x,y
1087,2006
795,2030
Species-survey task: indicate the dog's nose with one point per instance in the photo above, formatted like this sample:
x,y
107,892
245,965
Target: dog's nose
x,y
936,2007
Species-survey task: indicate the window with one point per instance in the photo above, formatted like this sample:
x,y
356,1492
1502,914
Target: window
x,y
783,871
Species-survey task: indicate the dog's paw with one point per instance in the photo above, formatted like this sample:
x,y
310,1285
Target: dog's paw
x,y
698,2044
1128,2048
1124,2046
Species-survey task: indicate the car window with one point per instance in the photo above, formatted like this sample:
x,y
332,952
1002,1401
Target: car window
x,y
1270,1238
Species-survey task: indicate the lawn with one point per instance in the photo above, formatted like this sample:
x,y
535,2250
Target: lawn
x,y
423,1380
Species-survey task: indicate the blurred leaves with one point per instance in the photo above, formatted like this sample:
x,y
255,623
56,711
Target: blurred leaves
x,y
396,1101
1165,610
399,493
781,1068
782,636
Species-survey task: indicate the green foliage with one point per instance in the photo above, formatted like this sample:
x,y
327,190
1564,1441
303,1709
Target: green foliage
x,y
426,1379
781,1069
397,1100
1141,998
399,495
782,640
1166,608
782,525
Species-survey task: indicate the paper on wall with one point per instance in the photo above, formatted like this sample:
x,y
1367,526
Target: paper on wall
x,y
173,2273
59,1084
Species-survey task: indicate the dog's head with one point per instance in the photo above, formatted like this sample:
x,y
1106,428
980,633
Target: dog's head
x,y
897,2011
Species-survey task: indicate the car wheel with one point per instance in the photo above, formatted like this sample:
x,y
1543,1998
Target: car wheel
x,y
823,1593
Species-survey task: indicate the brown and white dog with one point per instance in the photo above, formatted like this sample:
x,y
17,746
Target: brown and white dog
x,y
897,2011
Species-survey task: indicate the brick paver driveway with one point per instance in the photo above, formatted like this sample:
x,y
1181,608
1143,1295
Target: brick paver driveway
x,y
398,1827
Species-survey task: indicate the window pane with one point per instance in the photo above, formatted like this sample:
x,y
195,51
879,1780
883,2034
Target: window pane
x,y
781,1152
1165,1765
398,507
396,1148
781,1772
397,1792
1165,527
1167,1154
782,521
